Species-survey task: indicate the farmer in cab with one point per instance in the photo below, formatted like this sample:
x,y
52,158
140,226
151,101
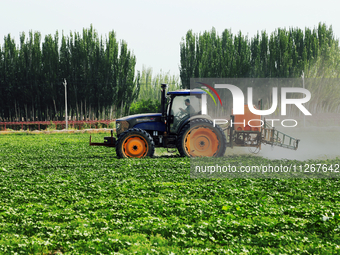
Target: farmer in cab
x,y
189,109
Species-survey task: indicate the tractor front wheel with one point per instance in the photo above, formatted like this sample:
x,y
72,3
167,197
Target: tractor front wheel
x,y
135,143
199,138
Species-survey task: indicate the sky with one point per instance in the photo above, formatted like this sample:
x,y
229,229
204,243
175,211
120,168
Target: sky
x,y
153,29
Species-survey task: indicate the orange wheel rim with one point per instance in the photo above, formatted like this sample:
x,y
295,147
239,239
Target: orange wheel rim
x,y
135,146
201,142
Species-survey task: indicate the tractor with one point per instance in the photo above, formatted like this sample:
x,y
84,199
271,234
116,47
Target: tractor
x,y
183,126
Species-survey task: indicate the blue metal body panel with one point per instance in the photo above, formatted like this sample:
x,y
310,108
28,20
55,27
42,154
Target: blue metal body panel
x,y
153,126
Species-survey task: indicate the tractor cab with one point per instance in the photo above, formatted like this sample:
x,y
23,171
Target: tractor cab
x,y
183,105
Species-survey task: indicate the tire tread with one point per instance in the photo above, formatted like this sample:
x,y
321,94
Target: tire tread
x,y
187,126
123,135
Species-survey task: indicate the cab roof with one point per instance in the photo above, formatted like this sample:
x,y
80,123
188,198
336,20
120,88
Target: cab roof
x,y
186,92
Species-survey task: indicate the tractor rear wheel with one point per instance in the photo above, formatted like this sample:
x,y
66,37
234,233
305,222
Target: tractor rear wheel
x,y
135,143
199,138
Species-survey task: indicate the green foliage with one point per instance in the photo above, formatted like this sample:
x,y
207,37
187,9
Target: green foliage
x,y
52,126
112,125
100,74
145,106
149,94
86,125
150,86
59,195
325,89
283,54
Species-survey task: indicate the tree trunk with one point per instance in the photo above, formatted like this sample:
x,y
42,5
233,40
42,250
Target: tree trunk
x,y
111,112
77,108
99,115
20,117
86,112
25,105
81,110
55,108
33,113
121,109
15,107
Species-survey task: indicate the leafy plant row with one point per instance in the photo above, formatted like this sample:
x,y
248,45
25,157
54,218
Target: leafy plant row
x,y
60,195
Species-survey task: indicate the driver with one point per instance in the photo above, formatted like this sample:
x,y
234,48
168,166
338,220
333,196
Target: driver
x,y
189,109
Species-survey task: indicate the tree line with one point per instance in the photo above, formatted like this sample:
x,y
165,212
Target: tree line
x,y
100,75
102,82
283,54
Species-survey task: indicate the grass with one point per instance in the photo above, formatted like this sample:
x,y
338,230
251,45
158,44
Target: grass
x,y
57,194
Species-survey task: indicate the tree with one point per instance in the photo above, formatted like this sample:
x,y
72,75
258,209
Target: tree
x,y
100,74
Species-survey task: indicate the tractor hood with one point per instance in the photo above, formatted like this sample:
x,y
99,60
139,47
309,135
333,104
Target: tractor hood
x,y
146,121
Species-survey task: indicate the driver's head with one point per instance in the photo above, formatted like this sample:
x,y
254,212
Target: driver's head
x,y
187,102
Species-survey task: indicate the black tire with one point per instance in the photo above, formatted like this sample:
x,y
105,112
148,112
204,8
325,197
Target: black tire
x,y
207,140
135,143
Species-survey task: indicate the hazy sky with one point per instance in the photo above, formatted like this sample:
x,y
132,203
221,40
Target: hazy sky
x,y
154,29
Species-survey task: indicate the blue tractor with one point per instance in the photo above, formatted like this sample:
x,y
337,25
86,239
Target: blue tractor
x,y
180,125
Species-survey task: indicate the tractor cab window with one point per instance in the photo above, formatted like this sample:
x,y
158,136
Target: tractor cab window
x,y
182,107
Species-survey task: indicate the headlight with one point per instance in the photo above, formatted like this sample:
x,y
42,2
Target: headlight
x,y
121,126
117,125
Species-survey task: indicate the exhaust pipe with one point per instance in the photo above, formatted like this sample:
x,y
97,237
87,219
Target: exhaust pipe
x,y
163,101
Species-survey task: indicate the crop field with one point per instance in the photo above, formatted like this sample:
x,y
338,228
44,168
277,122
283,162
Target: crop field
x,y
58,195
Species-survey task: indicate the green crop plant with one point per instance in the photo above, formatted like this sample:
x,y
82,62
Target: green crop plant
x,y
57,194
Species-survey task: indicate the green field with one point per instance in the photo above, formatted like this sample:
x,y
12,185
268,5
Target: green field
x,y
59,195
